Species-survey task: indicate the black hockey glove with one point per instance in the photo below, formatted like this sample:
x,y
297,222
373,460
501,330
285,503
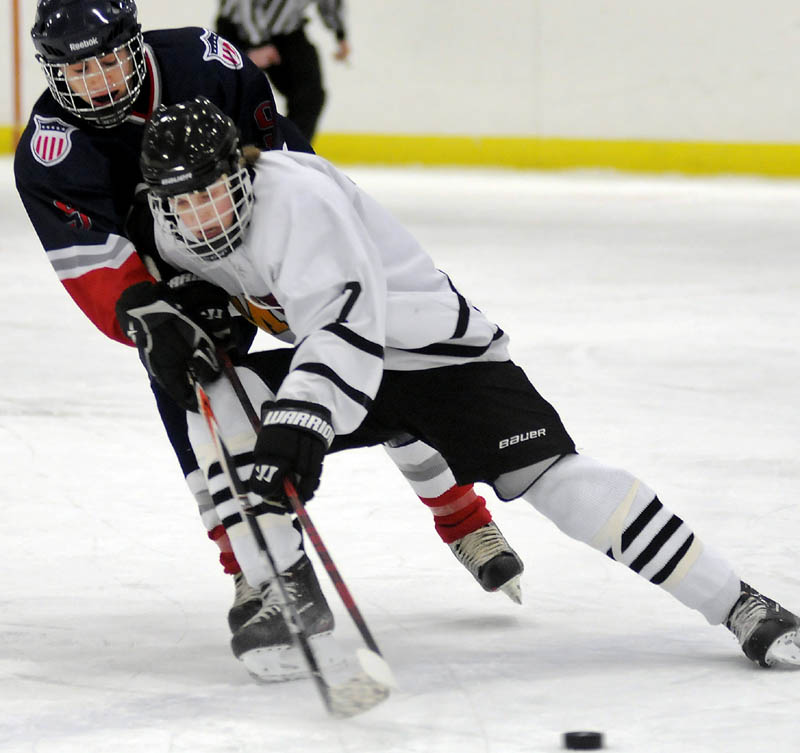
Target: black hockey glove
x,y
292,441
205,304
173,349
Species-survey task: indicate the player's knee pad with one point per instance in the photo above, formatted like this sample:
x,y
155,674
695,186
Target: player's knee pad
x,y
233,420
586,498
616,513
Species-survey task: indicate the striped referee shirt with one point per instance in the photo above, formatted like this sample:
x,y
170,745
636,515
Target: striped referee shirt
x,y
259,20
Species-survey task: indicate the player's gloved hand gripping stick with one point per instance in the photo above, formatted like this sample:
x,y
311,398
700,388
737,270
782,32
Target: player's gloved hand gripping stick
x,y
177,327
293,437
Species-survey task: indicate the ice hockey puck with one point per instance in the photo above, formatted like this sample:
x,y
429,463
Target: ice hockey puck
x,y
583,740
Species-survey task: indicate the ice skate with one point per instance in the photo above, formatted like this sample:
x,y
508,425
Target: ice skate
x,y
491,561
264,643
768,634
246,602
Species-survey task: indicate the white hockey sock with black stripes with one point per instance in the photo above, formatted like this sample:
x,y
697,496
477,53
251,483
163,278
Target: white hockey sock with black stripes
x,y
612,511
276,524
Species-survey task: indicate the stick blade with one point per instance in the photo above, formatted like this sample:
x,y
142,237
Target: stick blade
x,y
376,667
370,686
355,696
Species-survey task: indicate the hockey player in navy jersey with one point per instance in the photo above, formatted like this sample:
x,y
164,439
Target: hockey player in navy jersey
x,y
77,171
386,345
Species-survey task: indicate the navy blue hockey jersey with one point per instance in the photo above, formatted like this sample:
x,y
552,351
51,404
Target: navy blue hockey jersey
x,y
77,182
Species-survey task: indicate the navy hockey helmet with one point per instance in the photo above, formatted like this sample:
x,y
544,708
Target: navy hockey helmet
x,y
92,54
200,189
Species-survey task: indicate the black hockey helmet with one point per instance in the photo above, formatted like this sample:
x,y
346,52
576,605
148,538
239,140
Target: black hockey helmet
x,y
66,32
187,148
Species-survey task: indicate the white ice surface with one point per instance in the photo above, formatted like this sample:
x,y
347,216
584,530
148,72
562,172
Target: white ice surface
x,y
661,318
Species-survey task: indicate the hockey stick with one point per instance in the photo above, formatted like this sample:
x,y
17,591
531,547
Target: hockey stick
x,y
303,516
293,619
355,695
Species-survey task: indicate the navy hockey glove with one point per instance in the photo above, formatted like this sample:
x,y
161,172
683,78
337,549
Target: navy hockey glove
x,y
173,349
292,442
205,304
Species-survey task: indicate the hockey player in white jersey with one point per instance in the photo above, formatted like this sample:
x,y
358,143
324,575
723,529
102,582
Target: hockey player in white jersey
x,y
77,172
386,345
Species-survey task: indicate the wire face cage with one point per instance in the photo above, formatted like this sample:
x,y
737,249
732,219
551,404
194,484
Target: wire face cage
x,y
210,223
100,89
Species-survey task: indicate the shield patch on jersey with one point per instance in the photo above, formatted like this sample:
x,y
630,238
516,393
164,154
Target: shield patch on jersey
x,y
222,50
51,141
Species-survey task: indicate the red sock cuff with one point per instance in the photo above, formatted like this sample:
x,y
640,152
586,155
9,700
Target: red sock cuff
x,y
217,532
451,532
229,563
457,512
227,558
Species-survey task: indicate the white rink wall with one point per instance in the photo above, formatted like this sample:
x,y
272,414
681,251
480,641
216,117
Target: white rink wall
x,y
719,71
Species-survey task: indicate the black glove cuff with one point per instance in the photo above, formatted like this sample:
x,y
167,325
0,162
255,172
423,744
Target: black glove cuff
x,y
298,414
136,296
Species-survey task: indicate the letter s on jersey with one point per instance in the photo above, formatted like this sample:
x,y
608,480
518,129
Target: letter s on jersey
x,y
75,218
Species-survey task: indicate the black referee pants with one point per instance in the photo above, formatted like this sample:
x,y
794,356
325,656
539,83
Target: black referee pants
x,y
299,79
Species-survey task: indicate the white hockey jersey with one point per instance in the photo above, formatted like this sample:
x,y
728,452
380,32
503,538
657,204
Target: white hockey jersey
x,y
356,289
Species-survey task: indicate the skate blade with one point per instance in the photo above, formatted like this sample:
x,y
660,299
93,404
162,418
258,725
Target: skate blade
x,y
785,651
513,589
286,662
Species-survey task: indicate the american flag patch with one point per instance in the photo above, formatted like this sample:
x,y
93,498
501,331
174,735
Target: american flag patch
x,y
221,49
51,141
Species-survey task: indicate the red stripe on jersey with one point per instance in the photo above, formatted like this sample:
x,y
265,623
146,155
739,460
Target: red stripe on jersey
x,y
149,85
97,292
